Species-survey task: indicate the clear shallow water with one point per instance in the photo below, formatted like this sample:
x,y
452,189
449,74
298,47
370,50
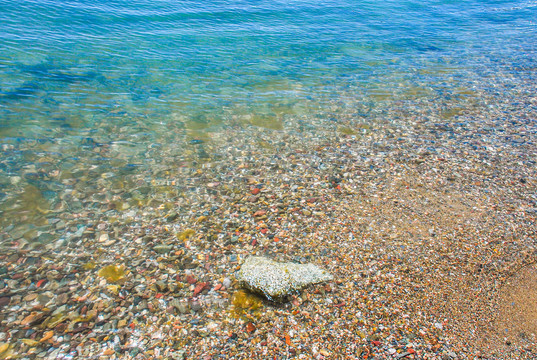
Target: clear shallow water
x,y
69,64
144,76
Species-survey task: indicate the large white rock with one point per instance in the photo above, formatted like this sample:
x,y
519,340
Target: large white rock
x,y
276,280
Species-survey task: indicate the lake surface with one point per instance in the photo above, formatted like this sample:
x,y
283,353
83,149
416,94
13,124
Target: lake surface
x,y
98,89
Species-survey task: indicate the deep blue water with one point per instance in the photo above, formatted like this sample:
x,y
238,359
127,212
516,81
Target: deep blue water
x,y
154,74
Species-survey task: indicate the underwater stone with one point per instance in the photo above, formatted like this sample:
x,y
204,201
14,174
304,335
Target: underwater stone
x,y
277,280
162,249
112,273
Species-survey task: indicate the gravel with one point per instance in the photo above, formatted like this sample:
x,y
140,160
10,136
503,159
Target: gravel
x,y
421,220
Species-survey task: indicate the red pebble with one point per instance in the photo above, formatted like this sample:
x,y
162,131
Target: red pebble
x,y
250,327
255,191
217,287
41,282
264,231
190,279
259,213
199,288
376,343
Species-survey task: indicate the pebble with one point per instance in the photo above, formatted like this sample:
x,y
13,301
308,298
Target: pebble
x,y
4,300
162,249
195,306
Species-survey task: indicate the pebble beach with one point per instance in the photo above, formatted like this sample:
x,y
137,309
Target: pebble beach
x,y
427,226
381,157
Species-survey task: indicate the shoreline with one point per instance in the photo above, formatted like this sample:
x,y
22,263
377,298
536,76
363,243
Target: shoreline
x,y
421,223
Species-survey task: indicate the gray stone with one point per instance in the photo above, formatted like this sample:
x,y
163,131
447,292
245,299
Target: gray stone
x,y
195,306
142,305
160,286
180,306
278,280
43,299
162,249
172,216
45,237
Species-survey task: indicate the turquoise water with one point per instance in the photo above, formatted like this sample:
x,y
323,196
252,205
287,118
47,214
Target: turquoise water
x,y
141,76
68,65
